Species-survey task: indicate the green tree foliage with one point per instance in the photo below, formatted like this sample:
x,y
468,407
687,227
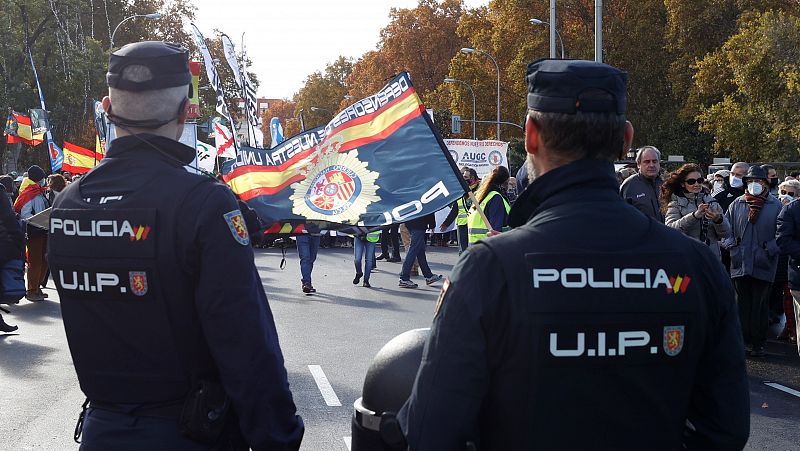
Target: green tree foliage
x,y
69,40
750,87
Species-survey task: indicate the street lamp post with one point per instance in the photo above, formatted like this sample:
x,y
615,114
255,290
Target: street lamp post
x,y
151,16
302,121
541,22
467,51
313,108
323,110
453,80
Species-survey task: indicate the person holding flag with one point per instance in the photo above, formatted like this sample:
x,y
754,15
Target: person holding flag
x,y
32,200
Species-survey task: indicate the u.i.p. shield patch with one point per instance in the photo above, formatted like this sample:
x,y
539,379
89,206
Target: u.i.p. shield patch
x,y
237,226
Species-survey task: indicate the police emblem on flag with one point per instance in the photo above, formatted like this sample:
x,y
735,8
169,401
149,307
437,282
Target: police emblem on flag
x,y
138,282
338,188
673,340
237,226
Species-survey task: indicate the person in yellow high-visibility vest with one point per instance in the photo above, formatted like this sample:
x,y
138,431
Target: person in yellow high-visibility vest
x,y
492,200
460,209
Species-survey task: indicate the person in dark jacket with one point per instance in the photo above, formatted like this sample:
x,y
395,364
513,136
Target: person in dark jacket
x,y
416,251
788,238
754,255
55,184
732,186
551,336
169,328
643,190
12,241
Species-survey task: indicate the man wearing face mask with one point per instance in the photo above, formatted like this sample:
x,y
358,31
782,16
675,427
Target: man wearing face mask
x,y
170,331
772,176
733,186
754,255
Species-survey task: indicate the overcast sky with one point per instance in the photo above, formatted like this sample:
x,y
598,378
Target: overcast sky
x,y
289,39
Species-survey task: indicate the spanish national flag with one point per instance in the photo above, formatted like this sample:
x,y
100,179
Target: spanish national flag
x,y
24,134
79,160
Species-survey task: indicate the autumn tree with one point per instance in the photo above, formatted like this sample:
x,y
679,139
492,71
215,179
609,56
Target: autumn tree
x,y
322,94
284,111
751,90
419,40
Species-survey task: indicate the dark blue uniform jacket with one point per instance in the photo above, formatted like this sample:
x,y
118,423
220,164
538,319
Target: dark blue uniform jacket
x,y
590,326
158,285
789,240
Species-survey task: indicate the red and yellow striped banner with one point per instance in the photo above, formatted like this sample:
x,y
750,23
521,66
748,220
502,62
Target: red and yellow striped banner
x,y
256,180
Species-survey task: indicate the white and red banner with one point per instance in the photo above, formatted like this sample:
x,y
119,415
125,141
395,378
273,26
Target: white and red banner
x,y
223,139
483,156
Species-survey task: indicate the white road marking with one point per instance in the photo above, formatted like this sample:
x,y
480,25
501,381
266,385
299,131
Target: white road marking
x,y
324,386
783,389
348,441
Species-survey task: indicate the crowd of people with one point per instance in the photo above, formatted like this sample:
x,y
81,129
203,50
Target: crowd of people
x,y
747,217
27,195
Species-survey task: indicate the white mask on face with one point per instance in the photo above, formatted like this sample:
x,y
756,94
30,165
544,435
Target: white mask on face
x,y
736,182
785,198
717,185
755,188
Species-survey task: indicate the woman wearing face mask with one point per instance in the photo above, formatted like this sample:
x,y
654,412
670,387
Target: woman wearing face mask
x,y
754,255
718,182
689,209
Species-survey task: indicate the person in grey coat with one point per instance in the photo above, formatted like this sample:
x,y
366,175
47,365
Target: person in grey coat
x,y
689,209
754,255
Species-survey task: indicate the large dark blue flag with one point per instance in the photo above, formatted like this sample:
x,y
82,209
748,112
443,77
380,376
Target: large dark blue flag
x,y
377,162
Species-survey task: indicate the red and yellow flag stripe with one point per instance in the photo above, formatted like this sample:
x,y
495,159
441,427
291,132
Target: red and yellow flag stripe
x,y
79,160
253,180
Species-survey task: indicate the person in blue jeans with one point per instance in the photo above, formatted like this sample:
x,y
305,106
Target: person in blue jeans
x,y
416,251
307,247
364,248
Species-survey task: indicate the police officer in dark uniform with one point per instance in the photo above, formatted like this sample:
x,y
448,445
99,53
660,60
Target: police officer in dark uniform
x,y
558,334
168,324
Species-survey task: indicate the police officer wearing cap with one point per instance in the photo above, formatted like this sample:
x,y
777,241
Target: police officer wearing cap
x,y
168,324
561,335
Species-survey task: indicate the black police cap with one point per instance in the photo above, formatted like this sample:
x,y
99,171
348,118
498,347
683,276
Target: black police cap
x,y
168,63
569,86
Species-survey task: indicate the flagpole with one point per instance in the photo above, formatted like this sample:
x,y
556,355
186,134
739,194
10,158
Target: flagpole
x,y
48,134
244,97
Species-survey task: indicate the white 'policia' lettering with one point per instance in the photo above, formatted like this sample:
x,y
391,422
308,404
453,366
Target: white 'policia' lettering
x,y
95,228
408,209
621,278
625,340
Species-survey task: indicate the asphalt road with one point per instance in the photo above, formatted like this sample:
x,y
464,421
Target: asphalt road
x,y
329,336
